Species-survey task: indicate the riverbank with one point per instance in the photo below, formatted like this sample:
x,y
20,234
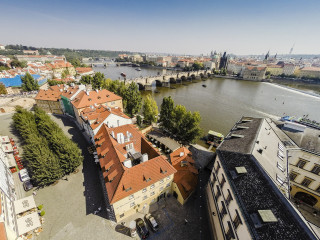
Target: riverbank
x,y
295,90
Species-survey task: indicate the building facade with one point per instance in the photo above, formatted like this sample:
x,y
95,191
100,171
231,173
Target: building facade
x,y
254,73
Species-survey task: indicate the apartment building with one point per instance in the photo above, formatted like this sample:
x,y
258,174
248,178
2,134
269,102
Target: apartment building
x,y
94,117
243,200
254,73
304,162
95,98
133,173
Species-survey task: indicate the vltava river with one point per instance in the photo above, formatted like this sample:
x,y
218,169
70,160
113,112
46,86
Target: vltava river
x,y
224,101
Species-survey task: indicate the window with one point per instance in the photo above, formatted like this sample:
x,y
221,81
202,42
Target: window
x,y
122,215
229,234
112,103
223,209
131,196
229,198
316,169
161,181
237,220
279,179
145,197
168,185
306,182
301,163
218,194
144,190
218,167
152,193
280,155
293,176
161,189
280,166
152,186
168,177
281,147
318,189
132,204
223,180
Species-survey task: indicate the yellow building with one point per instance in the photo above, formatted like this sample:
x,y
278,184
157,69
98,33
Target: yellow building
x,y
58,67
133,173
275,70
313,72
304,163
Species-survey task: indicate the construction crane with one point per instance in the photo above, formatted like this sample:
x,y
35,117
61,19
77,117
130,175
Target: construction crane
x,y
291,49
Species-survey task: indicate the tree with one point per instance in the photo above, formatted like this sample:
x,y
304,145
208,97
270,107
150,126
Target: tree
x,y
139,120
86,79
3,89
97,80
197,66
29,83
132,99
166,113
150,109
16,63
65,73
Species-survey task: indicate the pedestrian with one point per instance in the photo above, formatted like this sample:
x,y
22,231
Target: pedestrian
x,y
185,221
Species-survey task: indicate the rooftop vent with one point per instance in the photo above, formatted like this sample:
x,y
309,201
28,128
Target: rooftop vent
x,y
246,120
127,163
238,172
267,216
97,90
241,127
241,170
163,171
181,154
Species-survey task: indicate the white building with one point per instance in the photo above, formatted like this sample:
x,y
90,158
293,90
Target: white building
x,y
289,69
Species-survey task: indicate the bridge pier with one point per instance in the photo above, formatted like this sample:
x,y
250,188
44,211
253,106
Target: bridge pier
x,y
148,87
166,84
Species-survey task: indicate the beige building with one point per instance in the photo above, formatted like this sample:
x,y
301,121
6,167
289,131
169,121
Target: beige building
x,y
289,69
275,70
313,72
58,67
254,73
133,173
95,98
243,200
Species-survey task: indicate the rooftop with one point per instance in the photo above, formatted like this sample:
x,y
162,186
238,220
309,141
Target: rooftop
x,y
255,191
128,161
87,98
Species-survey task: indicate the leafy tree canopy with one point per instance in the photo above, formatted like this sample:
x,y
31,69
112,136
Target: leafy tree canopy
x,y
150,109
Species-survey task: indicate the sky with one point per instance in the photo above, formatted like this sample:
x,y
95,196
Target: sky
x,y
169,26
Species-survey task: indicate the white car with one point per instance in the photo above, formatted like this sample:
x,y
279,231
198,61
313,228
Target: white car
x,y
24,176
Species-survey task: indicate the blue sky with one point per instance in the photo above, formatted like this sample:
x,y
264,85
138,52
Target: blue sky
x,y
176,26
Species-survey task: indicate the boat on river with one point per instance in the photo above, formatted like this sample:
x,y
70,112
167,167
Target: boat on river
x,y
138,69
214,138
203,85
123,74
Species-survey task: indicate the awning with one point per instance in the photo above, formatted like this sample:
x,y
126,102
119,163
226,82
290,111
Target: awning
x,y
4,139
11,160
28,223
24,204
7,147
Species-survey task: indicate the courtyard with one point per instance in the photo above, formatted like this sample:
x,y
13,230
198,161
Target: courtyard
x,y
70,204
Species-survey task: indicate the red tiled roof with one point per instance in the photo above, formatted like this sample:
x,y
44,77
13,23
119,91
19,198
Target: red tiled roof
x,y
48,95
3,235
94,97
254,67
126,181
100,113
83,69
186,177
314,69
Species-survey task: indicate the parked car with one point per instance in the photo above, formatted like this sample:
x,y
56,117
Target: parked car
x,y
24,176
27,185
142,228
152,222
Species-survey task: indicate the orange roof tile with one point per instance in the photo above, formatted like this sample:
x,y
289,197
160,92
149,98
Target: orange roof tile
x,y
126,181
186,177
83,69
48,95
99,97
3,235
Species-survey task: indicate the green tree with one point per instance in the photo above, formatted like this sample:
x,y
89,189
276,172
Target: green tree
x,y
67,151
86,79
150,109
132,99
197,66
29,83
166,113
65,73
97,80
139,120
3,89
16,63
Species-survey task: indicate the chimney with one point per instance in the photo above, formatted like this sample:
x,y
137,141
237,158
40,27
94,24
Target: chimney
x,y
87,92
97,90
181,154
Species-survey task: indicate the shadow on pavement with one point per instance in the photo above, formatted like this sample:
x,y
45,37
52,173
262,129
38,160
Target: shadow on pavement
x,y
93,190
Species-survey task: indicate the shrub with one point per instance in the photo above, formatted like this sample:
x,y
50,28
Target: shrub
x,y
40,207
42,213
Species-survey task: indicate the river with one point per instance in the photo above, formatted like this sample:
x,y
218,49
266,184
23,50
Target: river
x,y
224,101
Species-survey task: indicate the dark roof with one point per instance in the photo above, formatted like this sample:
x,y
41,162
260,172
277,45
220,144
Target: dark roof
x,y
242,144
256,191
